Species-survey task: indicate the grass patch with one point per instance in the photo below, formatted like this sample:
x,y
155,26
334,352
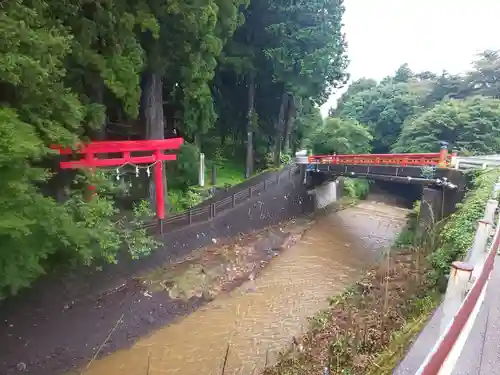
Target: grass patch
x,y
227,173
459,229
385,362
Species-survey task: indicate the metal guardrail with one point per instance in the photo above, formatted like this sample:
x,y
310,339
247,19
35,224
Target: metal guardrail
x,y
208,212
442,358
477,162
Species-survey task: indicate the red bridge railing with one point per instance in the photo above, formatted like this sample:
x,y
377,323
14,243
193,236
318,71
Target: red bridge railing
x,y
438,159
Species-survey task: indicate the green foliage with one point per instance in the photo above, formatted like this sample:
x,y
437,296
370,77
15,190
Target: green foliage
x,y
101,231
356,188
37,110
309,59
485,77
341,136
79,231
184,172
384,109
472,125
412,112
363,84
458,233
286,159
180,201
288,47
403,74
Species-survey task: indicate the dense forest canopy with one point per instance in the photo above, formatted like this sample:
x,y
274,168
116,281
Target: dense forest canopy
x,y
413,112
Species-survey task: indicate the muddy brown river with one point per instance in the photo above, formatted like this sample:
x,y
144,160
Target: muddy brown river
x,y
260,318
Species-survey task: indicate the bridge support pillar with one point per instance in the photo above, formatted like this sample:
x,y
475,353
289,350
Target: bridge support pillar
x,y
431,207
327,193
438,203
340,187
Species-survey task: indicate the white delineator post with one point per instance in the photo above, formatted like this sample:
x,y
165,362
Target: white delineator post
x,y
201,174
480,242
456,291
496,190
453,160
489,212
479,249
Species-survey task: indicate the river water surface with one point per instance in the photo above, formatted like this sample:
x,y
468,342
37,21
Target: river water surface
x,y
260,318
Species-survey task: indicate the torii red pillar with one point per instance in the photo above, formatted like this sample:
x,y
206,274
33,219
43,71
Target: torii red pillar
x,y
125,148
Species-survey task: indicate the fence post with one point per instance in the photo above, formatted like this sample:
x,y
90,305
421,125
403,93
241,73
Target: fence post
x,y
480,241
214,212
289,173
489,212
250,192
496,190
190,216
265,185
453,160
456,291
234,200
214,175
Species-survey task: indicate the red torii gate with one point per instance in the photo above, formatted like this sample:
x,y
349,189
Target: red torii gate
x,y
91,160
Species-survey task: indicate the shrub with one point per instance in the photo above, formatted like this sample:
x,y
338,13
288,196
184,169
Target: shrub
x,y
458,232
356,188
184,172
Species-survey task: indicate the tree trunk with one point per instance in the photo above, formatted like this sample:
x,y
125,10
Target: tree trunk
x,y
152,114
290,116
197,140
152,102
251,105
279,130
